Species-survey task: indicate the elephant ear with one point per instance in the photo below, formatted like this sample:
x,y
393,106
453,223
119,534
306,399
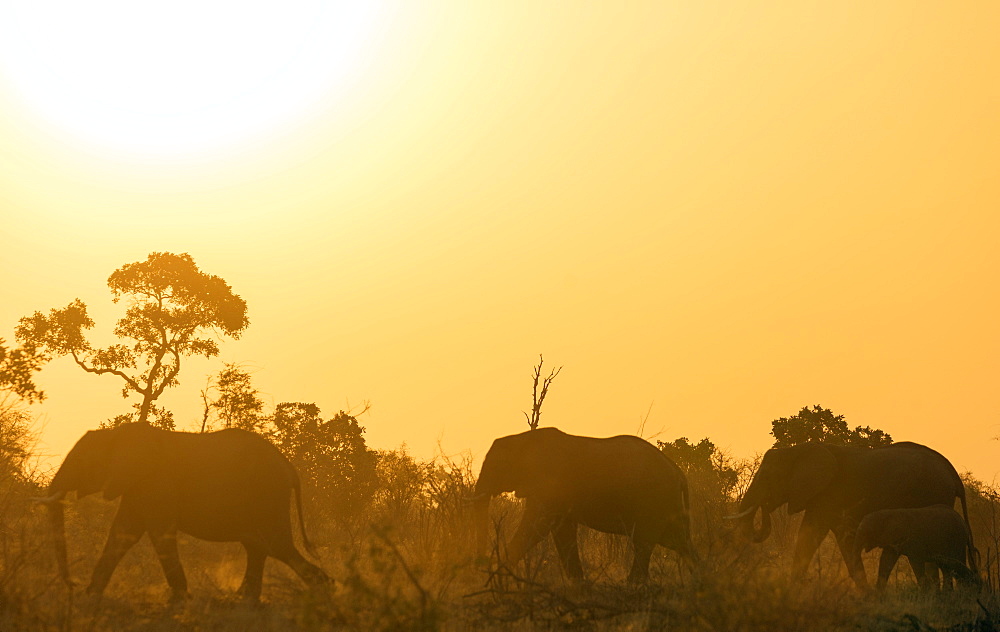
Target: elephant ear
x,y
812,473
537,461
134,459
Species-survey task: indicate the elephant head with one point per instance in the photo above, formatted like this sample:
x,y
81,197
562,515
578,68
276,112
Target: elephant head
x,y
517,463
870,534
109,460
792,476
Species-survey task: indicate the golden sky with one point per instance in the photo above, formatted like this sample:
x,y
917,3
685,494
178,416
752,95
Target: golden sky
x,y
716,213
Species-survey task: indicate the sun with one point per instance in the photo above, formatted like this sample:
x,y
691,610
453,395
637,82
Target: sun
x,y
174,77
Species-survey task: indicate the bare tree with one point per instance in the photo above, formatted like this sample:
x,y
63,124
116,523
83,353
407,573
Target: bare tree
x,y
538,397
206,402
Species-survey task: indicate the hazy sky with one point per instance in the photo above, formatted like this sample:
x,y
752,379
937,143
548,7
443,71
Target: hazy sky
x,y
716,213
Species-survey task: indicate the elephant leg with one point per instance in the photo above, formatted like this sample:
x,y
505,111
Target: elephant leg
x,y
642,550
933,575
253,578
126,529
689,553
811,535
165,544
534,526
852,557
948,579
568,548
312,575
917,569
925,572
886,562
677,537
283,548
964,577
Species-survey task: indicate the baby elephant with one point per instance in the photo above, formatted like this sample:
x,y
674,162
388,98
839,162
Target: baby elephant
x,y
931,538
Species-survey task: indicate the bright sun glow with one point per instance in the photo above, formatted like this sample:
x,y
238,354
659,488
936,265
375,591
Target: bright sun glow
x,y
184,76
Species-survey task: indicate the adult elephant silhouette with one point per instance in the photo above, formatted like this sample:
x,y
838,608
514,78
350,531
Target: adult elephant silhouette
x,y
837,485
225,486
618,485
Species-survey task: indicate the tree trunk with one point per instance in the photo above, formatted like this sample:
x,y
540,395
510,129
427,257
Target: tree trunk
x,y
147,402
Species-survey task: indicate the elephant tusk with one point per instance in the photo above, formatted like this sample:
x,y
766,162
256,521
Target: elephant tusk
x,y
49,500
742,514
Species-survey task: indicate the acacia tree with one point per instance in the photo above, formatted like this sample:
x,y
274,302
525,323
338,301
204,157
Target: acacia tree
x,y
820,424
174,310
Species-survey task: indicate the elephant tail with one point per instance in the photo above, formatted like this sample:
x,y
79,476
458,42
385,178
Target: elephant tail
x,y
973,551
297,488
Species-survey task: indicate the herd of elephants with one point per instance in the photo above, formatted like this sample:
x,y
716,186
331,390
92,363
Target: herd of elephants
x,y
235,486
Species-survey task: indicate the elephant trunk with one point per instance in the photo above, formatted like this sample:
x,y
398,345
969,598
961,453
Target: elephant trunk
x,y
756,499
481,517
486,488
57,523
761,534
747,518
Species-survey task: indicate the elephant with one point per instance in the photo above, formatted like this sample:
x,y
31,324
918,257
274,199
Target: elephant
x,y
225,486
618,484
837,485
931,538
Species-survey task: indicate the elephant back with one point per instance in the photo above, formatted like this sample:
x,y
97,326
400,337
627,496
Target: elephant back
x,y
231,462
643,470
908,474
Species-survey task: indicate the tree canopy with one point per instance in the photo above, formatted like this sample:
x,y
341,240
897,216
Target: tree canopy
x,y
702,460
17,371
158,417
331,454
174,310
821,424
239,404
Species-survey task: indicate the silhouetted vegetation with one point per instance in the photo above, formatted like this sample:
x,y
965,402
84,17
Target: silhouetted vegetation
x,y
538,396
173,307
158,417
821,424
703,461
331,455
17,371
238,404
16,445
714,479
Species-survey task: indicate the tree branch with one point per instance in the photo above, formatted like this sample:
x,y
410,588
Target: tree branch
x,y
90,369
